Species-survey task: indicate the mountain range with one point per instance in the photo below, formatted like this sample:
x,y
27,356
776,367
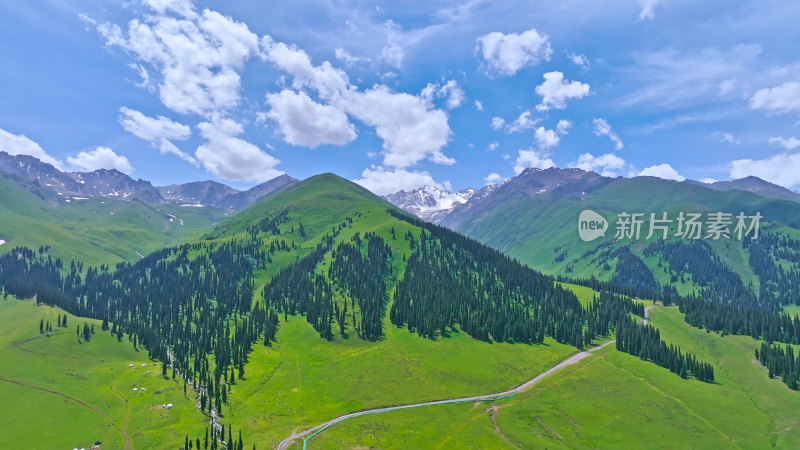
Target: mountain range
x,y
441,206
58,186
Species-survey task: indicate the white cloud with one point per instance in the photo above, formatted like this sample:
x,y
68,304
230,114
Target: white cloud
x,y
727,86
608,165
555,91
304,122
159,131
232,158
152,128
789,144
494,178
392,52
601,127
345,57
450,91
19,144
508,53
563,126
493,146
498,123
782,169
410,128
664,171
383,181
532,158
455,95
780,99
478,105
727,137
578,60
198,56
648,8
521,123
100,158
546,139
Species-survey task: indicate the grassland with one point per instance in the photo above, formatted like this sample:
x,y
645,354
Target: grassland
x,y
73,394
611,400
96,231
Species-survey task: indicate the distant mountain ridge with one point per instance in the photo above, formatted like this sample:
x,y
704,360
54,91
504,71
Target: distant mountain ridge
x,y
443,207
110,183
757,186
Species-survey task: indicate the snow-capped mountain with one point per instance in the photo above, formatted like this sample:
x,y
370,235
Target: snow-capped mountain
x,y
429,202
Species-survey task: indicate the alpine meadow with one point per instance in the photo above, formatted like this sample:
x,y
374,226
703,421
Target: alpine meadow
x,y
467,225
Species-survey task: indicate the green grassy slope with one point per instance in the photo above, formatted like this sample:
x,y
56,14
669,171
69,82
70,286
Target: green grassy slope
x,y
611,400
96,231
303,380
542,231
95,373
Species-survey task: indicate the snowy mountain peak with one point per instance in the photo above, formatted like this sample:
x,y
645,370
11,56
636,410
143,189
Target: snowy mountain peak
x,y
430,202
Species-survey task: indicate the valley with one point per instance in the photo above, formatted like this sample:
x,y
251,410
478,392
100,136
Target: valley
x,y
297,343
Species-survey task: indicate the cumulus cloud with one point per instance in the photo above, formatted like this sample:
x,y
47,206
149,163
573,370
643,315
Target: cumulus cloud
x,y
198,56
789,144
647,9
304,122
478,105
152,128
555,91
546,139
664,171
384,181
521,123
532,158
508,53
411,129
228,156
19,144
563,126
601,127
782,169
608,165
780,99
494,178
159,131
493,146
100,158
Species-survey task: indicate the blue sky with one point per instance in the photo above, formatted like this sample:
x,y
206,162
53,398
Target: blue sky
x,y
400,94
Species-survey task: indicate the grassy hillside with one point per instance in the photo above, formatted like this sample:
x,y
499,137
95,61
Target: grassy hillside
x,y
61,393
303,380
611,400
542,230
96,231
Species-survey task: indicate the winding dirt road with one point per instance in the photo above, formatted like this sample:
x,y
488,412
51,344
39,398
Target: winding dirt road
x,y
574,359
